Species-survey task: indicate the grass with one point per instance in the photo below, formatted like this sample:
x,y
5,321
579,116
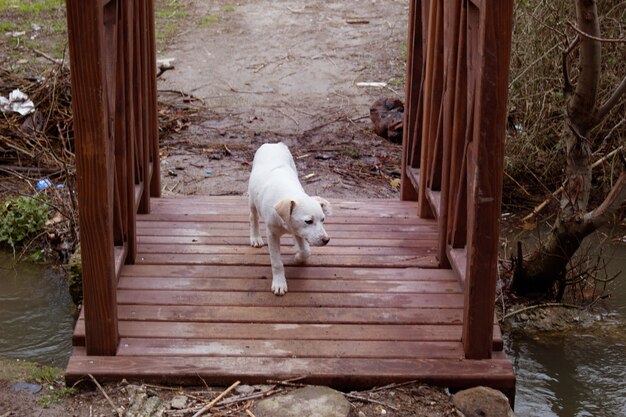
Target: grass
x,y
31,6
229,8
208,20
170,16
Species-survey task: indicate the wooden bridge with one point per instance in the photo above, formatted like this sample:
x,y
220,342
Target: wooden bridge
x,y
172,291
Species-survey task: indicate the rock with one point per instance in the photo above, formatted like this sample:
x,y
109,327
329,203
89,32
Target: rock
x,y
482,402
179,402
244,389
309,401
387,115
25,386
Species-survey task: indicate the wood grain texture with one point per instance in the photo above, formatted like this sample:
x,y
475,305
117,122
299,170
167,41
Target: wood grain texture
x,y
95,171
341,373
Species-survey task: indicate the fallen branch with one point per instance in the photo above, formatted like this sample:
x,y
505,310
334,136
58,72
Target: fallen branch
x,y
208,406
289,382
521,310
119,411
370,400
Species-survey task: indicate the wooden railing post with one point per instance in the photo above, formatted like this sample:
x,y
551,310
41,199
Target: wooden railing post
x,y
94,172
485,159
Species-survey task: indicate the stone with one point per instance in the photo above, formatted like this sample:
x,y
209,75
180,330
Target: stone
x,y
482,402
179,402
312,401
244,389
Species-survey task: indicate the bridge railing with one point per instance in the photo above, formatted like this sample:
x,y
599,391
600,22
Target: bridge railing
x,y
113,67
453,149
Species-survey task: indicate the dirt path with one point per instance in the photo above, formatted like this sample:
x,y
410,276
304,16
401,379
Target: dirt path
x,y
265,71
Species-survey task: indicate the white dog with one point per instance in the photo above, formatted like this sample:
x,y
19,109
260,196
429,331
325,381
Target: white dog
x,y
277,195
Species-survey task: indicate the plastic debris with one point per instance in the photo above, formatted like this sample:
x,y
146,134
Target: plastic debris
x,y
43,183
208,171
17,102
371,84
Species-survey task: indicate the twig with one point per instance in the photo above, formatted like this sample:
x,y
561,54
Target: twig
x,y
370,400
541,206
216,399
248,412
392,386
595,38
287,115
48,57
119,410
521,310
289,382
239,399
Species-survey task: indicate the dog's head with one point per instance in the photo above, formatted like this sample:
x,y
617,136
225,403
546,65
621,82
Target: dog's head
x,y
305,218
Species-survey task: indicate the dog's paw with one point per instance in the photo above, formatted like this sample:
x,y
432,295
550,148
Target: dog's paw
x,y
302,256
279,286
256,242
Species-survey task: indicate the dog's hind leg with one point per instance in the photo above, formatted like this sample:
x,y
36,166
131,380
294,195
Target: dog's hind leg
x,y
302,249
255,234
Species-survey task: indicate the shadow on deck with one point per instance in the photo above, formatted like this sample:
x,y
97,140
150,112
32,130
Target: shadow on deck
x,y
368,309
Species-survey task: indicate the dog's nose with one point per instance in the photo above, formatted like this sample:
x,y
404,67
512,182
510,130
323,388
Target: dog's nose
x,y
325,240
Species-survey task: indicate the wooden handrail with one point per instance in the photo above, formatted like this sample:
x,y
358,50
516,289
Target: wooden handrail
x,y
113,68
453,147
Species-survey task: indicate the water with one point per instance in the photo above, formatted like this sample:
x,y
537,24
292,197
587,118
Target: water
x,y
36,321
581,373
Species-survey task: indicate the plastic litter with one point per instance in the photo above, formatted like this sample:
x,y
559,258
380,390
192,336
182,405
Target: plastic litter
x,y
43,183
17,102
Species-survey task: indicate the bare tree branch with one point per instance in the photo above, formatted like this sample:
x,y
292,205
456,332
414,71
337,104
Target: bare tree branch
x,y
568,88
613,100
595,38
613,201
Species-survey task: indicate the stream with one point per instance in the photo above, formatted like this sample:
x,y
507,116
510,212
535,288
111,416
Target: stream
x,y
36,321
578,374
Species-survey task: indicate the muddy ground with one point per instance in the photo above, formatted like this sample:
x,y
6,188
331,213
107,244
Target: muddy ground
x,y
267,71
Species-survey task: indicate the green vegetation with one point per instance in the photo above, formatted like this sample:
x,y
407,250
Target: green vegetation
x,y
208,20
20,219
170,16
46,374
55,395
229,8
31,6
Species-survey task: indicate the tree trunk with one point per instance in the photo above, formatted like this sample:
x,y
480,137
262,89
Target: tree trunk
x,y
546,268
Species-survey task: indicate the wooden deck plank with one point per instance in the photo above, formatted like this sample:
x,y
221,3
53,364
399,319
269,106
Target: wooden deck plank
x,y
288,348
309,285
247,250
287,240
346,373
179,223
297,315
290,331
370,306
292,272
422,258
244,219
224,231
295,299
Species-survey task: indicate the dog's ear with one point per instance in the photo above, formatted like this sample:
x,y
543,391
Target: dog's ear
x,y
326,208
284,208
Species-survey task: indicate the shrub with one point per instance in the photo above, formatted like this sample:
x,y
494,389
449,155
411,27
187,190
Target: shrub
x,y
20,219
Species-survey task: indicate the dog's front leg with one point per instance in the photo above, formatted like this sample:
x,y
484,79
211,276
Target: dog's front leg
x,y
279,282
255,235
303,250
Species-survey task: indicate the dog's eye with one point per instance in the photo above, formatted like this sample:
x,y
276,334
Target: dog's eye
x,y
310,221
322,219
